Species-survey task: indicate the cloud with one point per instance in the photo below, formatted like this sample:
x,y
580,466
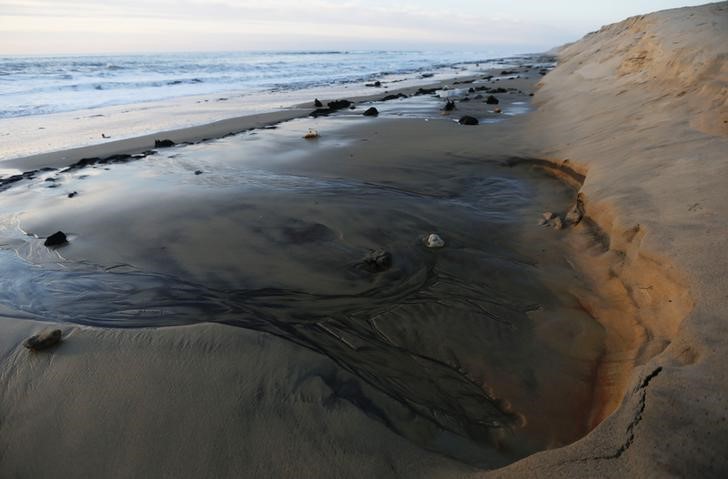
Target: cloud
x,y
290,23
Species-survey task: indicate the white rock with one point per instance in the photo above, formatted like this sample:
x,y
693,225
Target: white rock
x,y
312,134
434,241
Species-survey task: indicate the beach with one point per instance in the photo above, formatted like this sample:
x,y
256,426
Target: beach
x,y
402,294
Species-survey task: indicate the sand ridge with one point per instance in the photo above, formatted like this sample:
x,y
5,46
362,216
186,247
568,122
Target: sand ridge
x,y
640,109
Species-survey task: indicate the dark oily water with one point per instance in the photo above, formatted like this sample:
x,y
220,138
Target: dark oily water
x,y
480,350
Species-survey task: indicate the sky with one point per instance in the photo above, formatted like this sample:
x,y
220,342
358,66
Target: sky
x,y
498,26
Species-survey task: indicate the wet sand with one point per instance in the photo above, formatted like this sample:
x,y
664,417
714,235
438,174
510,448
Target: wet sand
x,y
477,352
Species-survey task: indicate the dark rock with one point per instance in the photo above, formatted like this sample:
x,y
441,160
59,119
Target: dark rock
x,y
56,239
471,90
371,112
50,179
449,105
508,72
530,94
491,100
376,261
466,99
73,194
425,91
478,97
43,340
428,75
376,84
468,120
163,143
317,103
339,104
198,172
394,97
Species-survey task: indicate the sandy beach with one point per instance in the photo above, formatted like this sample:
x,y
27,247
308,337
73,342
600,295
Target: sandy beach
x,y
244,302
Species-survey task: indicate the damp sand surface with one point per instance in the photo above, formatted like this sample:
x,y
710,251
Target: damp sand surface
x,y
478,352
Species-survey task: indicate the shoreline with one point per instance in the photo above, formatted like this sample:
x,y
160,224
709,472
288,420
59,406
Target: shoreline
x,y
84,128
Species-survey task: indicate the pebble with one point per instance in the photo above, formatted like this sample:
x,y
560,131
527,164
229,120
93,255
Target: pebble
x,y
434,241
43,340
377,260
56,239
312,134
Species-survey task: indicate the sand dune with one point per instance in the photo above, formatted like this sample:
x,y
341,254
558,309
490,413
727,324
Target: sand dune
x,y
641,109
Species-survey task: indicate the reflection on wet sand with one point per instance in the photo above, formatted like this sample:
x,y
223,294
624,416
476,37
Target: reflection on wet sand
x,y
266,231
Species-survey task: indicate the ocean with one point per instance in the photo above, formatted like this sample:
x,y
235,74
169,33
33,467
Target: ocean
x,y
38,85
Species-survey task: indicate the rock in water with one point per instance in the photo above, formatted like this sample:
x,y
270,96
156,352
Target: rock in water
x,y
434,241
163,143
56,239
377,260
491,100
394,97
371,112
311,135
317,103
449,105
43,340
468,120
339,104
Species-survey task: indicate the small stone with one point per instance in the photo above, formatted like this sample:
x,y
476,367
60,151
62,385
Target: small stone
x,y
43,340
377,260
548,215
468,120
434,241
198,172
339,104
311,135
371,112
394,97
163,143
497,110
73,194
491,100
56,239
556,223
449,105
317,103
